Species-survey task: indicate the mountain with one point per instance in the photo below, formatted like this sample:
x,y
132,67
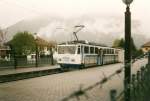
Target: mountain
x,y
32,25
101,29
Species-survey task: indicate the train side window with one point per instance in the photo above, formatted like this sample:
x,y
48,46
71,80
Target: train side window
x,y
104,51
78,50
91,50
107,51
112,51
96,50
86,49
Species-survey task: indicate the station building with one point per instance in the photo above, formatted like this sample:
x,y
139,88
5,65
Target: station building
x,y
146,47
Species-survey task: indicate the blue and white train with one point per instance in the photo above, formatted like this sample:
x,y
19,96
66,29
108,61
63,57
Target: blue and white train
x,y
81,54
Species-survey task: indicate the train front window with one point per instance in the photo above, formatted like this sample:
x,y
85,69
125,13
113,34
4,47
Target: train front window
x,y
66,49
78,50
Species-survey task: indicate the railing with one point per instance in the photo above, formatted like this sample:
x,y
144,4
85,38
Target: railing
x,y
23,62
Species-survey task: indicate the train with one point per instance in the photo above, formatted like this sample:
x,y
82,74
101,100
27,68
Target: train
x,y
82,54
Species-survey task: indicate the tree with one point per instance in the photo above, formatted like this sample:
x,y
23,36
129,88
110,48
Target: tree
x,y
2,37
120,43
116,43
23,43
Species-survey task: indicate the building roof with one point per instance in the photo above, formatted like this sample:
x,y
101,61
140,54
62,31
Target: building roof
x,y
4,48
146,44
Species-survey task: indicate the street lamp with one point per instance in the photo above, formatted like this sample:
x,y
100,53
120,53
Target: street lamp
x,y
36,49
127,54
127,2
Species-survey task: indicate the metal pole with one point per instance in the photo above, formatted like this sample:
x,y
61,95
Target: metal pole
x,y
127,74
36,57
148,57
51,52
14,56
15,59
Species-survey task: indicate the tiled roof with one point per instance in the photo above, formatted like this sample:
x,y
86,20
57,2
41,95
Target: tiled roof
x,y
146,44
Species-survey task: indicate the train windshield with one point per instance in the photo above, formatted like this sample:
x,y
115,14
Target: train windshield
x,y
66,49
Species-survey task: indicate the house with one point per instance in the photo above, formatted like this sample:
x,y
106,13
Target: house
x,y
146,47
44,49
4,52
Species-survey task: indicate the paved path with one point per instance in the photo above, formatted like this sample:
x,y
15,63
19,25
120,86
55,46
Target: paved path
x,y
57,86
28,69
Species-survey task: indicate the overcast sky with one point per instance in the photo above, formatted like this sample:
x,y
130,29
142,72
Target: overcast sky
x,y
13,11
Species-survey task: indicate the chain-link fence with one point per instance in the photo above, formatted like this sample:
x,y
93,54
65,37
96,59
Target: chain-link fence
x,y
140,86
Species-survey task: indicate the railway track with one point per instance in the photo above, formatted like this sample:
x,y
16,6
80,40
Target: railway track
x,y
32,74
26,75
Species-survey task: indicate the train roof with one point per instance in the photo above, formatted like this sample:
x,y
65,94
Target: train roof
x,y
82,42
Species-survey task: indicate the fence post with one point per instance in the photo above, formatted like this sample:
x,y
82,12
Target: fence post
x,y
113,94
138,85
143,90
51,55
13,53
133,97
147,82
14,56
149,58
15,60
36,54
142,74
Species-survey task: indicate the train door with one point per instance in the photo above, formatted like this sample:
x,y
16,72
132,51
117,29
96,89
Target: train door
x,y
99,58
82,54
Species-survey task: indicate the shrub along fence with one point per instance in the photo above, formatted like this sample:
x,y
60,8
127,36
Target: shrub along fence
x,y
140,86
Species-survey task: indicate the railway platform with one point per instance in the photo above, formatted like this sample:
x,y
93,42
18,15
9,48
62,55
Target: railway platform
x,y
59,86
7,75
25,69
